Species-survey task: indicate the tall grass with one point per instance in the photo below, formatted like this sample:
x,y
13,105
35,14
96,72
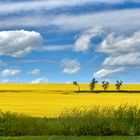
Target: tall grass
x,y
97,121
124,120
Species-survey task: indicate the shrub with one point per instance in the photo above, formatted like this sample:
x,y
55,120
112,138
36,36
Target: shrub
x,y
96,121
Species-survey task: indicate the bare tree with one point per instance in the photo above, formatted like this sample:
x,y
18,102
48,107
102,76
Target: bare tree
x,y
92,84
76,84
118,85
105,85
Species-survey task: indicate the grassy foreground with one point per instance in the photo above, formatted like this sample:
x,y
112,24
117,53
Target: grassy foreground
x,y
72,138
99,121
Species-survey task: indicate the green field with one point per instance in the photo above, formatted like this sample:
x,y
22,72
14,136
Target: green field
x,y
70,138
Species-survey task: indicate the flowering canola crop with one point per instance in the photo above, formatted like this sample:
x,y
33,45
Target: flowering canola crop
x,y
51,99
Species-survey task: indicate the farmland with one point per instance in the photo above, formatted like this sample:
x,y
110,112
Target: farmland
x,y
50,100
55,109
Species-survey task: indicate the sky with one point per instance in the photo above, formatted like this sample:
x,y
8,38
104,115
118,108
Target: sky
x,y
61,41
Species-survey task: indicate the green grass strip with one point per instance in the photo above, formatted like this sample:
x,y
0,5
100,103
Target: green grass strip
x,y
72,138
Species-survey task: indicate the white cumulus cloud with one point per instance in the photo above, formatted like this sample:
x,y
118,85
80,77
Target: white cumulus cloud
x,y
121,44
19,42
122,50
83,42
127,60
70,66
10,72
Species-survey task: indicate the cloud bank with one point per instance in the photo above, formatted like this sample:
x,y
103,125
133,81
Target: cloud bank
x,y
25,6
119,21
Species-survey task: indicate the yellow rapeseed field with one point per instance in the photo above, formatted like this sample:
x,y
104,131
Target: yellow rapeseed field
x,y
51,99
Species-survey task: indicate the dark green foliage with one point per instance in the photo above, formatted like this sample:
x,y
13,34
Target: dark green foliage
x,y
124,120
72,138
76,84
12,124
92,84
102,121
105,85
118,85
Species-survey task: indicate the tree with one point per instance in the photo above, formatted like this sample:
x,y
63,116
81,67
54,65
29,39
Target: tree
x,y
92,84
76,84
118,85
105,85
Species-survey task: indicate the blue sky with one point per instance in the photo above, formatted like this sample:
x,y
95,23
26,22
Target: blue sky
x,y
60,41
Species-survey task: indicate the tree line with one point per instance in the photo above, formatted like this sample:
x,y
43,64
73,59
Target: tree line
x,y
105,85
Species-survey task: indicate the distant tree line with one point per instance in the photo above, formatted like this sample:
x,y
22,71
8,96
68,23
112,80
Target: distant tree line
x,y
105,85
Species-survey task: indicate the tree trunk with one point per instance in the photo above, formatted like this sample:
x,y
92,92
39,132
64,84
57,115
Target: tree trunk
x,y
78,87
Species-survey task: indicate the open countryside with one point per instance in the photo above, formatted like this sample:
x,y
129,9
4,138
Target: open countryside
x,y
69,69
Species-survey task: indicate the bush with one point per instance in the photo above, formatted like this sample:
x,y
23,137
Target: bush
x,y
97,121
125,120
